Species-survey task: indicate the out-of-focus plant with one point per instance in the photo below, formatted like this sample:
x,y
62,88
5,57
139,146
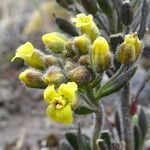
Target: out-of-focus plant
x,y
103,42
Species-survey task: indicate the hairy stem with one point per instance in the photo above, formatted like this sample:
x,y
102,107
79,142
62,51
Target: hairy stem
x,y
126,119
97,127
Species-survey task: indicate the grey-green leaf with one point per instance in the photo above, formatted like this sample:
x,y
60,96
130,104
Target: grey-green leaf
x,y
105,136
72,139
82,110
116,84
66,26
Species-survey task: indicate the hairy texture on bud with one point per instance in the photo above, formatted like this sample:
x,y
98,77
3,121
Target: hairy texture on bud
x,y
70,50
129,50
84,60
32,79
101,56
80,75
82,44
50,60
69,65
55,41
53,75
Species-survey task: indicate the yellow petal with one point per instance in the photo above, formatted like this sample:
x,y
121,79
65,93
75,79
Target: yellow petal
x,y
24,51
68,90
50,93
63,115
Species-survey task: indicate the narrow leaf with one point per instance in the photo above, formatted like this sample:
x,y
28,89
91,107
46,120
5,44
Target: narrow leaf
x,y
116,84
105,136
142,124
66,26
72,139
82,110
118,125
137,138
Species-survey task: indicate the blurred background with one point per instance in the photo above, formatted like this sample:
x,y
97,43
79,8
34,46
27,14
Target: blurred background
x,y
23,121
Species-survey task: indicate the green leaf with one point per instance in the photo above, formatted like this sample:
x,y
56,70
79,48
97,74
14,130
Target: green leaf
x,y
118,125
137,137
142,124
111,87
105,6
82,110
72,139
105,136
66,26
83,140
101,144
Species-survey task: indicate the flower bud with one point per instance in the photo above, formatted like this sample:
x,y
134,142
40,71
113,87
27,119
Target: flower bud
x,y
84,60
50,60
53,75
80,75
70,50
87,26
129,50
69,65
82,44
55,41
126,13
101,56
30,55
32,79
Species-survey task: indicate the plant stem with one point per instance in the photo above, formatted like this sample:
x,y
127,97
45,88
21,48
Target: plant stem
x,y
126,119
97,127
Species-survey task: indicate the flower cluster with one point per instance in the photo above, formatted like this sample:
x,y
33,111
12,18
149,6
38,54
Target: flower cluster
x,y
73,63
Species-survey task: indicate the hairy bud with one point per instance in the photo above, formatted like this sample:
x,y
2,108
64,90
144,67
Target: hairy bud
x,y
101,56
53,75
82,44
129,50
55,41
80,75
32,79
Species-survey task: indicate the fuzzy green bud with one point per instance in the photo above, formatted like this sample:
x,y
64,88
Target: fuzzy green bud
x,y
129,50
53,75
84,60
82,44
50,60
86,25
101,56
32,56
32,79
69,65
70,50
55,41
80,75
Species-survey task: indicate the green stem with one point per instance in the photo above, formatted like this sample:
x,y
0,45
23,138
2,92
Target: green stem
x,y
126,118
97,127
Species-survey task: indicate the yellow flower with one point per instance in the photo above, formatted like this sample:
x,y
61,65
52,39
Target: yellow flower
x,y
101,56
60,102
130,49
30,55
55,41
86,25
